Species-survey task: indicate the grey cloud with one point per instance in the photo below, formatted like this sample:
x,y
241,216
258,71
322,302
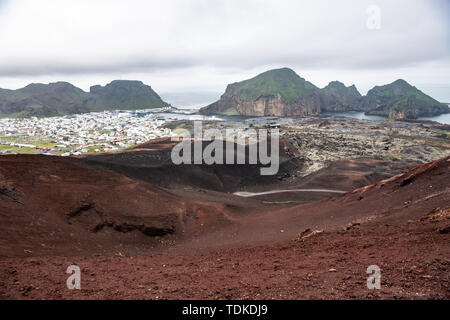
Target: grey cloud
x,y
76,68
69,37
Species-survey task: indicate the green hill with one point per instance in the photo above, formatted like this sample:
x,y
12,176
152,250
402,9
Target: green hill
x,y
401,100
61,98
279,92
123,94
284,82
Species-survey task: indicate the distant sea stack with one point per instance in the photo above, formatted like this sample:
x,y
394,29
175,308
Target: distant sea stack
x,y
336,97
62,98
400,100
279,92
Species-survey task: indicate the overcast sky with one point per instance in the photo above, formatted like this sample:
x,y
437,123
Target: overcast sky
x,y
202,45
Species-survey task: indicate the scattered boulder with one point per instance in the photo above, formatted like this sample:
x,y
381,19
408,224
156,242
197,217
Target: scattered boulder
x,y
307,233
353,225
445,230
437,214
324,124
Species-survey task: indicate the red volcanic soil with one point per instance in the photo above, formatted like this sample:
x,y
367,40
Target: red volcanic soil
x,y
135,240
396,200
55,205
414,259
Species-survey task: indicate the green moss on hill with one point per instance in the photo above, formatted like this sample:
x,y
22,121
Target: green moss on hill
x,y
284,82
61,98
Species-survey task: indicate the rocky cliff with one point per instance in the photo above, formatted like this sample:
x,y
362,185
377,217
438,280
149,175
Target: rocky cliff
x,y
279,92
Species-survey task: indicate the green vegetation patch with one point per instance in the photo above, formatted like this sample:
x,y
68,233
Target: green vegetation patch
x,y
398,156
13,149
284,82
36,140
232,111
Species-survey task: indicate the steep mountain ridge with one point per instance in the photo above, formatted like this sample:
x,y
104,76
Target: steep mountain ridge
x,y
337,97
281,92
61,98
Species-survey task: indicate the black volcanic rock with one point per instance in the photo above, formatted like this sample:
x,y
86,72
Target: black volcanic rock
x,y
400,100
62,98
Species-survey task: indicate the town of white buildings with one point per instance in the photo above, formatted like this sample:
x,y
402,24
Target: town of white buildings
x,y
81,133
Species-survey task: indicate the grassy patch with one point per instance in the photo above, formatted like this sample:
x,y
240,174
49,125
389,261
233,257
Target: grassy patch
x,y
12,149
439,131
37,140
232,111
27,115
398,156
284,82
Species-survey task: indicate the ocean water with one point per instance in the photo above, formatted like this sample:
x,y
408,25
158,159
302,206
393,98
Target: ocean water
x,y
443,118
195,117
190,100
354,114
